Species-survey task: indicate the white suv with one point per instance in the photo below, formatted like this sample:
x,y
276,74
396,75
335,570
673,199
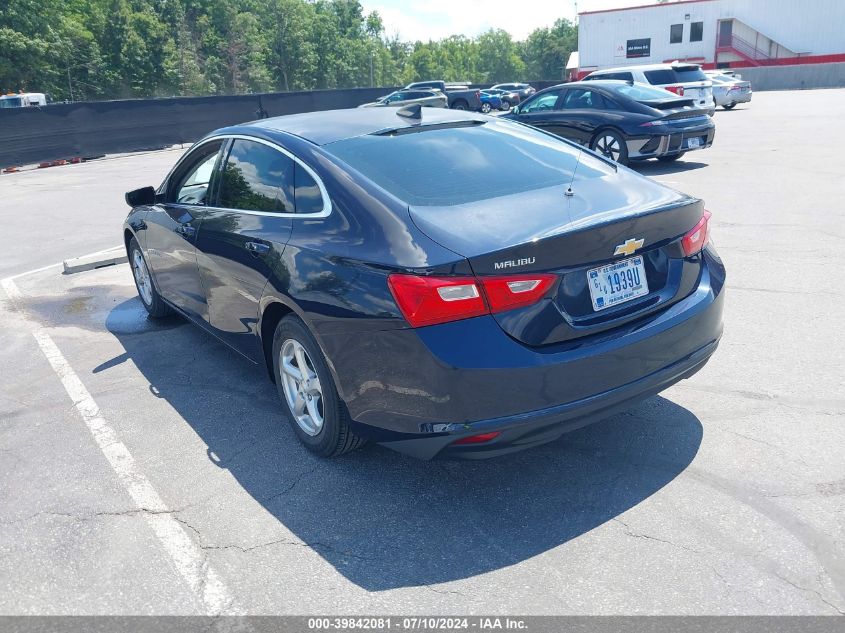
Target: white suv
x,y
686,80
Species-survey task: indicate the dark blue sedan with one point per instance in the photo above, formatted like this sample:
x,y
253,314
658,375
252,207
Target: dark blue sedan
x,y
401,287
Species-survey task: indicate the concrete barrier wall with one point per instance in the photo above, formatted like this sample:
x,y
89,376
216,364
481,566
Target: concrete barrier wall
x,y
796,77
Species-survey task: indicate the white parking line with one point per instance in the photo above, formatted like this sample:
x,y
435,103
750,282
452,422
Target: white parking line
x,y
188,558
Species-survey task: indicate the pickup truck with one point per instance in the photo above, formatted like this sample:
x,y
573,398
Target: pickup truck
x,y
460,97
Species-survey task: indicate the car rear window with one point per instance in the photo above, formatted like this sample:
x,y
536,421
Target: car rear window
x,y
661,77
689,73
641,92
456,165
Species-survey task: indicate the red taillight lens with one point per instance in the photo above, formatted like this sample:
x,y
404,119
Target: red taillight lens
x,y
678,90
515,291
697,237
478,439
431,300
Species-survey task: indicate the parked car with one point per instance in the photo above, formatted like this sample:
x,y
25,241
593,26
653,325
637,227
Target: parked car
x,y
523,90
728,91
509,98
621,120
685,80
401,287
490,101
428,98
460,97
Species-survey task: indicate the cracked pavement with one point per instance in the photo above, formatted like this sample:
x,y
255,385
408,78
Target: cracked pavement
x,y
723,495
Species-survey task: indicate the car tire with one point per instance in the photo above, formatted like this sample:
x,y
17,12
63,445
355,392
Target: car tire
x,y
670,159
315,411
729,106
506,107
610,144
150,298
485,108
460,104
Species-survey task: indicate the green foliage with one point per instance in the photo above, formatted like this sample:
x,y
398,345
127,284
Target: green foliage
x,y
108,49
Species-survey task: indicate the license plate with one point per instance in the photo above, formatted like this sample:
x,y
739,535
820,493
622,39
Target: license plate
x,y
617,283
693,142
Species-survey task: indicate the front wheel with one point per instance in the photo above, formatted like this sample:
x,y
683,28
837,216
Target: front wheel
x,y
611,144
316,412
729,106
154,304
485,108
670,159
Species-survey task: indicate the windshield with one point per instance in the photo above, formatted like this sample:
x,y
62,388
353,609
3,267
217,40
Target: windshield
x,y
10,102
641,92
456,165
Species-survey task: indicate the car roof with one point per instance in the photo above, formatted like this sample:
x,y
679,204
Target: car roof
x,y
643,67
328,126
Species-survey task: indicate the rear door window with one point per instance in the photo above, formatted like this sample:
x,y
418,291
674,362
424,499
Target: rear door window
x,y
257,177
580,99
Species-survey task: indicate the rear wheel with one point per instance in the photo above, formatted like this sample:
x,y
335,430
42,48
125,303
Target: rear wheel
x,y
670,159
316,412
154,304
485,108
460,104
728,106
612,145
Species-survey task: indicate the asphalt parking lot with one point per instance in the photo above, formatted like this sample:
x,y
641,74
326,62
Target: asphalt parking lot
x,y
145,468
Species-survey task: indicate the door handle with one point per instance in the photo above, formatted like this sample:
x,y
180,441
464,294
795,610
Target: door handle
x,y
257,247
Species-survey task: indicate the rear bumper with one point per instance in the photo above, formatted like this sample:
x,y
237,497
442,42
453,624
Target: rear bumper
x,y
418,390
676,142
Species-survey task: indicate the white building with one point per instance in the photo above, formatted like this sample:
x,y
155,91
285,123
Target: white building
x,y
714,33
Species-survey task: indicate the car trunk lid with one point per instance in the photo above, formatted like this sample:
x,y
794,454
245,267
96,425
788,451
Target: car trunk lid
x,y
550,231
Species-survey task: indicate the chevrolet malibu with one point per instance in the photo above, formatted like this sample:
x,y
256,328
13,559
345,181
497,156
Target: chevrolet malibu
x,y
402,287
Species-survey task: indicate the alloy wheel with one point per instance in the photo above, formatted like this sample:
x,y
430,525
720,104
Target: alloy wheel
x,y
142,277
302,388
609,146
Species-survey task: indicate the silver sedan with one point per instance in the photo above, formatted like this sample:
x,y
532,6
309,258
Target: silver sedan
x,y
428,98
728,90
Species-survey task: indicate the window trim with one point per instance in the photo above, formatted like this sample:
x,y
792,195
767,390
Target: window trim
x,y
227,138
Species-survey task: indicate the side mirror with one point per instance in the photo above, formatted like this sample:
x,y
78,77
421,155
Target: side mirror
x,y
515,109
144,196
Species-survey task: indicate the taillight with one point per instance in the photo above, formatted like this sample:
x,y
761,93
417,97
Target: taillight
x,y
478,439
678,90
430,300
697,238
515,291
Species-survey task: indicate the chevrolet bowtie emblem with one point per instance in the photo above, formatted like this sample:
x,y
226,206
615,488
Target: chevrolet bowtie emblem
x,y
628,247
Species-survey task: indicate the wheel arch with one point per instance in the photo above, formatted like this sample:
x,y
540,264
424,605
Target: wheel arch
x,y
607,126
271,315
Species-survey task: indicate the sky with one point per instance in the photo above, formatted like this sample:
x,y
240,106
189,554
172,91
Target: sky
x,y
435,19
